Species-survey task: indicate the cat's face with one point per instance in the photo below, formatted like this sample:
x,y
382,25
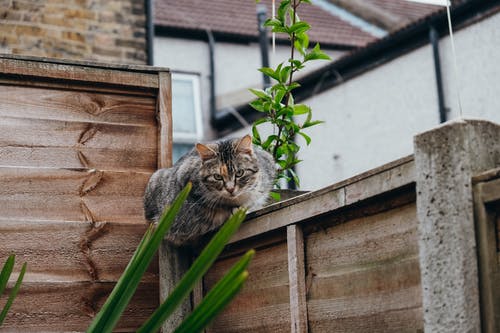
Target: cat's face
x,y
229,169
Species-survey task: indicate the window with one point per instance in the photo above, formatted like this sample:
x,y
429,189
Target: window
x,y
186,113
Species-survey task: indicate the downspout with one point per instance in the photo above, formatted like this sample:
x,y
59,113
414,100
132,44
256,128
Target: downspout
x,y
211,59
149,31
434,39
263,42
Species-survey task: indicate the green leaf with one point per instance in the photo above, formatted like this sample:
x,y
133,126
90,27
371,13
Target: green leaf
x,y
275,196
293,86
299,109
6,272
272,22
270,139
260,93
218,297
316,54
312,123
294,177
301,43
270,72
279,95
194,274
299,27
283,9
306,137
255,135
123,291
285,73
258,105
13,294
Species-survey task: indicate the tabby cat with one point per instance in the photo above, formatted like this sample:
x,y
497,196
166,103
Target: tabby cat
x,y
225,175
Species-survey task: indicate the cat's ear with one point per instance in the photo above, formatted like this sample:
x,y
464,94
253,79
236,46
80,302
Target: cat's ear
x,y
205,152
245,145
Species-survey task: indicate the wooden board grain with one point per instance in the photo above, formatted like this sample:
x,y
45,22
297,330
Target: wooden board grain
x,y
72,251
297,278
60,144
101,74
70,307
80,106
363,275
263,303
72,195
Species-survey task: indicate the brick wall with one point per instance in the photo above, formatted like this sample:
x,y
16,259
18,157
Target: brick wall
x,y
102,30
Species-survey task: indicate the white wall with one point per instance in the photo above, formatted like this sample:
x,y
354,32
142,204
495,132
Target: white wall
x,y
371,119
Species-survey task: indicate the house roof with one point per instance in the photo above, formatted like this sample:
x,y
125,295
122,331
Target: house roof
x,y
402,41
408,11
390,15
237,18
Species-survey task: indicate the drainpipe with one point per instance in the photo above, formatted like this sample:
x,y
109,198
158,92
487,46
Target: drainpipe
x,y
434,39
211,59
263,41
149,31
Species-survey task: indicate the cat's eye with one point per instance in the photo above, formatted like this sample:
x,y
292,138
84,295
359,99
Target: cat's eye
x,y
240,173
217,176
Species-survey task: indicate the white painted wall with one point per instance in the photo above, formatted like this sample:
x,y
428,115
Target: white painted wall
x,y
371,119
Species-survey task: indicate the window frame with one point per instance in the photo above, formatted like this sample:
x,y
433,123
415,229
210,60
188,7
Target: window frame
x,y
186,137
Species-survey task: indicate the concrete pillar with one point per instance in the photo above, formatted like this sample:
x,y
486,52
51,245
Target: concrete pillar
x,y
446,158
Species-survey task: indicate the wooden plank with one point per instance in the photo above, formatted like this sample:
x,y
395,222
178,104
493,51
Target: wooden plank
x,y
71,72
173,261
287,215
486,226
70,307
8,80
382,180
41,103
391,321
54,143
490,191
363,275
164,115
263,303
56,133
72,195
71,158
297,277
85,63
72,251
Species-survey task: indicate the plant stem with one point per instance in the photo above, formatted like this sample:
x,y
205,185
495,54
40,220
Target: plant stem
x,y
295,4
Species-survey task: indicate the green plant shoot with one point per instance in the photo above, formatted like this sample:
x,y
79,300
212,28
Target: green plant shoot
x,y
277,102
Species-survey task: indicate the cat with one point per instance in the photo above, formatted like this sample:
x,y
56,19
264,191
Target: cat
x,y
225,175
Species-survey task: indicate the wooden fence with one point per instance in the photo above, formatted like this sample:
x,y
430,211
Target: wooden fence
x,y
78,142
390,250
342,259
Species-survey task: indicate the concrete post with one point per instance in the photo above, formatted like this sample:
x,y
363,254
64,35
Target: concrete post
x,y
446,158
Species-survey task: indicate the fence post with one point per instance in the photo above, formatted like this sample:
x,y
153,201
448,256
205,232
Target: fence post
x,y
174,263
446,158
